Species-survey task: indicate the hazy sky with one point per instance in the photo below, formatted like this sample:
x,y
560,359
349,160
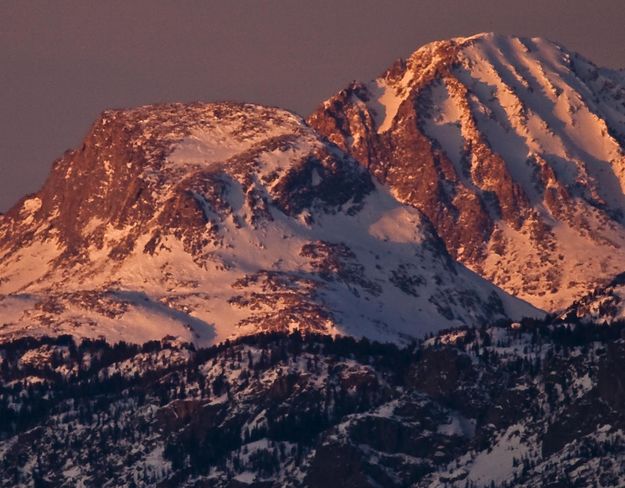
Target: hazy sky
x,y
63,62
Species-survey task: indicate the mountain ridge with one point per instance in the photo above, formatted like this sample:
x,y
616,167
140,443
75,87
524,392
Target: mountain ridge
x,y
529,405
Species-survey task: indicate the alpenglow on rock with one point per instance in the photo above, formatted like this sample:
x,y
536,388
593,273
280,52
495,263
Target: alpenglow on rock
x,y
208,221
512,147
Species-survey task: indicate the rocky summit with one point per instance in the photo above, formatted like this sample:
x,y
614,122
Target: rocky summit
x,y
512,147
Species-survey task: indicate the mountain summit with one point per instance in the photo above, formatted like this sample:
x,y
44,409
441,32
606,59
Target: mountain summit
x,y
208,221
512,147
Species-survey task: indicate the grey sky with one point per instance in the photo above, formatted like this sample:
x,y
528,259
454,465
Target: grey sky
x,y
63,62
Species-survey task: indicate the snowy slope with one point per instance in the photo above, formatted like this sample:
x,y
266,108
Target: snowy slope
x,y
217,220
513,148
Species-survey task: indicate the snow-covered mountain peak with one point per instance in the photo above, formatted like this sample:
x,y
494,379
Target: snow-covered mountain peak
x,y
513,147
207,221
138,165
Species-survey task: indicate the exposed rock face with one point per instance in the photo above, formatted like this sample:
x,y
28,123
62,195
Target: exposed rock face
x,y
512,147
212,220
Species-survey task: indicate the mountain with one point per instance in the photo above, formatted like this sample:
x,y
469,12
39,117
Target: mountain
x,y
208,221
514,150
533,405
223,295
